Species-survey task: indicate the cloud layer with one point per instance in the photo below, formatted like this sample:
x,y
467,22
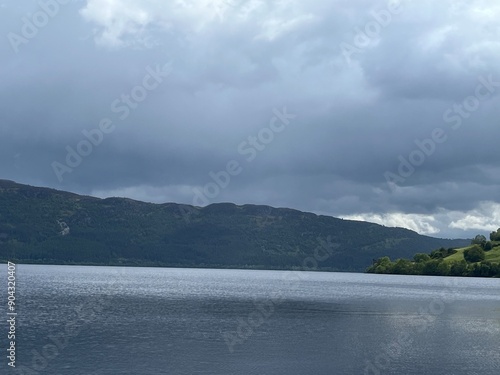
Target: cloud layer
x,y
312,105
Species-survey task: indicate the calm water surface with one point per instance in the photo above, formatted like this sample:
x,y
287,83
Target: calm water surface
x,y
152,321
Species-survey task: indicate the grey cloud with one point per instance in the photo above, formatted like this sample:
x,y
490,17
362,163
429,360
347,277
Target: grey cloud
x,y
229,74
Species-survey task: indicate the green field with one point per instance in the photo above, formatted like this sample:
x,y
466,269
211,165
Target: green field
x,y
491,256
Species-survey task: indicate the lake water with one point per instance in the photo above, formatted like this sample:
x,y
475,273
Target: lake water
x,y
152,321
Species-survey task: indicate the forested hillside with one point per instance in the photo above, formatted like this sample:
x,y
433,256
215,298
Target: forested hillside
x,y
41,225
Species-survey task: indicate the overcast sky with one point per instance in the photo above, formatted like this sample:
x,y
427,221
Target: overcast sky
x,y
374,110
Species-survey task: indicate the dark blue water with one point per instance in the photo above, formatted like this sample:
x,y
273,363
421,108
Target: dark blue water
x,y
111,320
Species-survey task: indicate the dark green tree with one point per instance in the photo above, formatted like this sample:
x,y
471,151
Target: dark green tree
x,y
439,253
403,267
458,268
479,240
474,254
381,265
421,257
431,267
495,236
444,268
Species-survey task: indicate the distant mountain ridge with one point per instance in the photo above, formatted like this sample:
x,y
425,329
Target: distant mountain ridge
x,y
42,225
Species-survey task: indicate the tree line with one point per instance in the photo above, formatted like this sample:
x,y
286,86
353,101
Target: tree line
x,y
438,263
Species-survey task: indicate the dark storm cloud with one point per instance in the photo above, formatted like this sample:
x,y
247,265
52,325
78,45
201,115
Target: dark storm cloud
x,y
234,64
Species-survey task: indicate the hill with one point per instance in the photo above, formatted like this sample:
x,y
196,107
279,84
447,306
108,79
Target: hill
x,y
479,259
41,225
490,256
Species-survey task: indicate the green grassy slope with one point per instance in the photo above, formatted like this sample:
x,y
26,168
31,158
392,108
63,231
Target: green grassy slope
x,y
491,256
483,260
458,256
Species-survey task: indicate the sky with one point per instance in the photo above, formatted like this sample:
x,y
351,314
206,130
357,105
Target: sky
x,y
383,111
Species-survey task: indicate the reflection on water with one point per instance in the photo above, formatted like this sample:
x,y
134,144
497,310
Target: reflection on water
x,y
109,320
